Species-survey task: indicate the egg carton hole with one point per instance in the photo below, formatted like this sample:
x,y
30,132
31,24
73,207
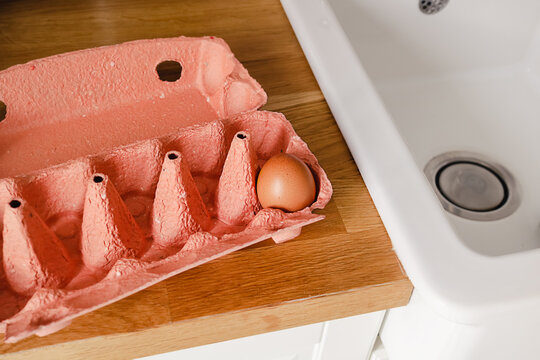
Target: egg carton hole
x,y
3,110
169,70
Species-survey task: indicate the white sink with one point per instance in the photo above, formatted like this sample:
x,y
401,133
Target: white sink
x,y
405,87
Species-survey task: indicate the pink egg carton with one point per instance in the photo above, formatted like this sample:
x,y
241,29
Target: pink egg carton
x,y
84,233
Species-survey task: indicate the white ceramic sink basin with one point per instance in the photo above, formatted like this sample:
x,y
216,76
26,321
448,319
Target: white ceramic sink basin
x,y
405,87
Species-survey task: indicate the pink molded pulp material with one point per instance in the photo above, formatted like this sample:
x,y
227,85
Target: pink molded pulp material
x,y
150,178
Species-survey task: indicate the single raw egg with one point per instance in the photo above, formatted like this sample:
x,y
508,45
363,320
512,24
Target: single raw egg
x,y
285,182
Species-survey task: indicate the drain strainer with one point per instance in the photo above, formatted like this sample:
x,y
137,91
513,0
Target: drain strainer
x,y
432,6
473,187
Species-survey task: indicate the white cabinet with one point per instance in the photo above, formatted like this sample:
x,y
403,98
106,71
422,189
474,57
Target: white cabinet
x,y
343,339
350,338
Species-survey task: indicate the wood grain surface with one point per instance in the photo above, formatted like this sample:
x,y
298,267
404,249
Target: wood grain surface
x,y
339,267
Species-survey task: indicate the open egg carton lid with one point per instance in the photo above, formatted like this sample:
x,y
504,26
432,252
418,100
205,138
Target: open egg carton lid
x,y
128,164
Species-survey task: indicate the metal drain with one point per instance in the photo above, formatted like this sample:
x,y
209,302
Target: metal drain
x,y
473,187
432,6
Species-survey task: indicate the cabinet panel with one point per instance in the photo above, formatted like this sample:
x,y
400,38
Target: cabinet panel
x,y
350,338
290,344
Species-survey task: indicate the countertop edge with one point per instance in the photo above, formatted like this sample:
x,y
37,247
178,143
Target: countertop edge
x,y
227,326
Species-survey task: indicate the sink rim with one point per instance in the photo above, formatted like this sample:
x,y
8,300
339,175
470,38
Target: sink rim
x,y
461,284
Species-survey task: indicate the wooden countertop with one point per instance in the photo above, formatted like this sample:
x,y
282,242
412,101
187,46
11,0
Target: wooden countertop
x,y
339,267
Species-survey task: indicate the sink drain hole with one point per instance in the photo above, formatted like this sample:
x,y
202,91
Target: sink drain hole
x,y
473,187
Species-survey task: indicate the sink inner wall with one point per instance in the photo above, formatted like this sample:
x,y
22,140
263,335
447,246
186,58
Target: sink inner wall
x,y
461,80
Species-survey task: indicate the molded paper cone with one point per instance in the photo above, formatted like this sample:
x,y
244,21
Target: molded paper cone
x,y
33,256
109,231
179,210
236,197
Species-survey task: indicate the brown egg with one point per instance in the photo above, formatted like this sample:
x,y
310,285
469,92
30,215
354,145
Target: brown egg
x,y
286,183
